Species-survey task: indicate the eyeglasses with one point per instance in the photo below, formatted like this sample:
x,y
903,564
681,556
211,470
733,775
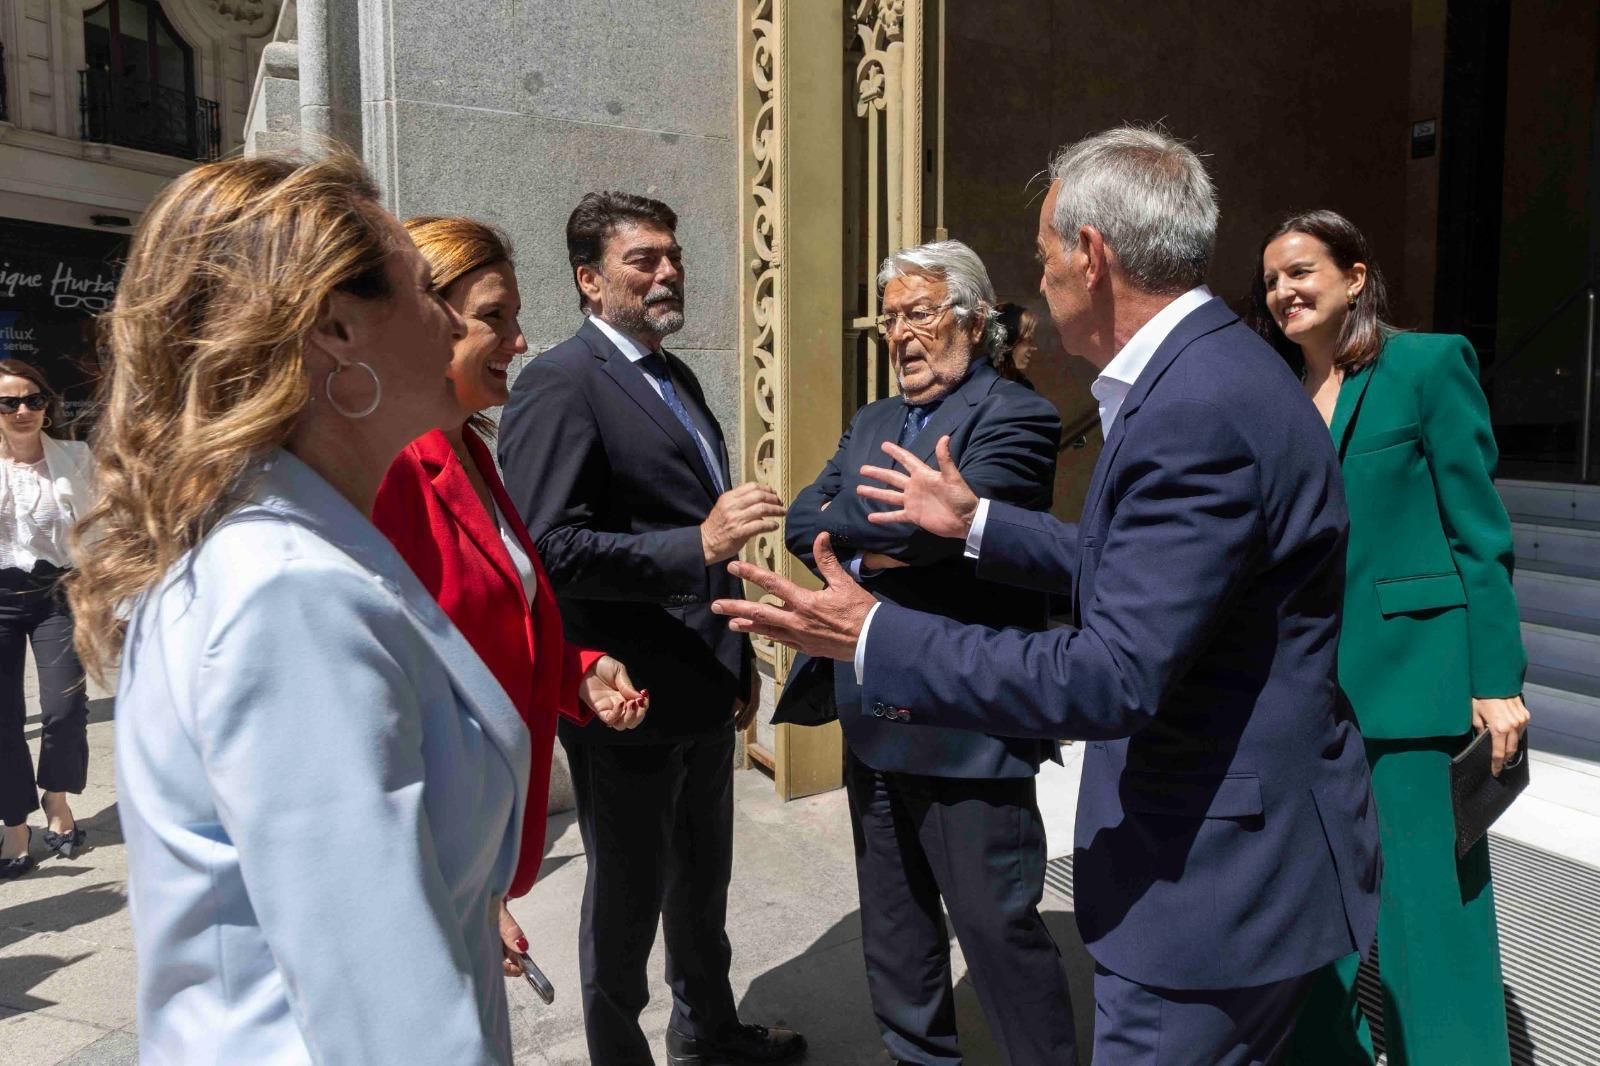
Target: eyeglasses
x,y
920,319
37,401
71,301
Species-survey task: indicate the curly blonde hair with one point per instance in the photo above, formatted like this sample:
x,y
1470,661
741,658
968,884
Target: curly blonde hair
x,y
228,273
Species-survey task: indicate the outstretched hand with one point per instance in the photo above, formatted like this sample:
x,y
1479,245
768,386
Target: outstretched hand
x,y
825,623
607,691
939,501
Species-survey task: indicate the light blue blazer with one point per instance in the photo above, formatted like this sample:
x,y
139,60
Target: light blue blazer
x,y
321,787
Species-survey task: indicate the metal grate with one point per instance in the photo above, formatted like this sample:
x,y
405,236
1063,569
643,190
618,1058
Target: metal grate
x,y
1549,913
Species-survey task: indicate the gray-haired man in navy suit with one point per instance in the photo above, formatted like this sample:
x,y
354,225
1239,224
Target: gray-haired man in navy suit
x,y
945,814
1226,839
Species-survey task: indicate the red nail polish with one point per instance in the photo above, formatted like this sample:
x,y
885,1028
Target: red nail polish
x,y
522,943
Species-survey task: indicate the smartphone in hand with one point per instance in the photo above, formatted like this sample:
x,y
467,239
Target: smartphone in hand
x,y
541,984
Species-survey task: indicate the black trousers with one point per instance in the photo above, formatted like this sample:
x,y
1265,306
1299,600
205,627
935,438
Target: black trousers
x,y
33,609
657,825
980,845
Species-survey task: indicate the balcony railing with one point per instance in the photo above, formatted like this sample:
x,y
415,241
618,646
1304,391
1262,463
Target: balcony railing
x,y
138,114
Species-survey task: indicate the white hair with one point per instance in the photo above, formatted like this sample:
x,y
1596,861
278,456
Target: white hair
x,y
966,283
1148,195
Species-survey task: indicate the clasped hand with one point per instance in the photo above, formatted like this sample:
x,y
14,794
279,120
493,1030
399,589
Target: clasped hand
x,y
607,691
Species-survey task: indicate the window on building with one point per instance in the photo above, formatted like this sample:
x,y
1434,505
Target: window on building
x,y
139,88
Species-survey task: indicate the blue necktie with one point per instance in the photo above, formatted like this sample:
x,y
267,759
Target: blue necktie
x,y
916,419
656,366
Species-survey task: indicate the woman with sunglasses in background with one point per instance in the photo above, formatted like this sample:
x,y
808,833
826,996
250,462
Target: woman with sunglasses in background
x,y
44,489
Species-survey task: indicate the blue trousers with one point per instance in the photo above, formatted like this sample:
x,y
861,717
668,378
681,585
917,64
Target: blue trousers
x,y
1136,1025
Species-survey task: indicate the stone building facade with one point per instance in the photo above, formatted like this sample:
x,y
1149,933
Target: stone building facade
x,y
102,103
802,140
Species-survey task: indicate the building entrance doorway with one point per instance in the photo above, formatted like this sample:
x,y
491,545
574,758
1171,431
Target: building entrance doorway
x,y
1519,227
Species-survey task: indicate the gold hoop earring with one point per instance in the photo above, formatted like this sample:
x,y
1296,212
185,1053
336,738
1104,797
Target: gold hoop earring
x,y
1350,299
48,422
377,391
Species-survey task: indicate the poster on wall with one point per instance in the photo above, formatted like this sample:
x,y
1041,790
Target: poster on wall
x,y
54,282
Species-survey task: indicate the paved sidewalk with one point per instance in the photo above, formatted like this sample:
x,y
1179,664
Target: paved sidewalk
x,y
66,951
67,969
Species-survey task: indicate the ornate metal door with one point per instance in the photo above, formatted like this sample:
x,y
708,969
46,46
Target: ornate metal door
x,y
837,169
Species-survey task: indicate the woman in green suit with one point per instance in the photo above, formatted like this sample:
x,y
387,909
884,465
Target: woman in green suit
x,y
1431,649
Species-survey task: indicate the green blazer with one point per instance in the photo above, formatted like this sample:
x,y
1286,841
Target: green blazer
x,y
1430,619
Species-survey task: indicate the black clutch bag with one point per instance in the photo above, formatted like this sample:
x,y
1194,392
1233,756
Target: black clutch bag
x,y
1477,795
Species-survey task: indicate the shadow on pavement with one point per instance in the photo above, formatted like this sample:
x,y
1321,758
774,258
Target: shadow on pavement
x,y
57,913
822,992
23,972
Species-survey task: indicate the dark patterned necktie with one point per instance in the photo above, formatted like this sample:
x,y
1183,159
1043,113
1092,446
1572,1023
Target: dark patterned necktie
x,y
916,419
655,365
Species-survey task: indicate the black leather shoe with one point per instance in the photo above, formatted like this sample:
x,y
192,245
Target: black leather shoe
x,y
20,865
735,1047
64,844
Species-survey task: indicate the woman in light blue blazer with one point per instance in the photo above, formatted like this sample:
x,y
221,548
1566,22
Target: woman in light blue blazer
x,y
320,783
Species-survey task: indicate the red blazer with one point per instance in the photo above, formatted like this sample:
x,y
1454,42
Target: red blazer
x,y
427,507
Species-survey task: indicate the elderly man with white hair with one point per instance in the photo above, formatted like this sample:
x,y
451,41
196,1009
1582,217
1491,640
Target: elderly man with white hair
x,y
948,813
1226,841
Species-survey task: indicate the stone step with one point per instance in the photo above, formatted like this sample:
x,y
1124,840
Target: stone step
x,y
1553,597
1535,500
1574,652
1556,544
1564,722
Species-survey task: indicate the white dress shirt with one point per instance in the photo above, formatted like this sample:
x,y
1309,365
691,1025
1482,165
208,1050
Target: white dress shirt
x,y
519,558
1116,380
40,502
33,528
635,352
1110,389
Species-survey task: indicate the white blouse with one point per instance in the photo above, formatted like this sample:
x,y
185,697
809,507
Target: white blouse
x,y
33,524
519,558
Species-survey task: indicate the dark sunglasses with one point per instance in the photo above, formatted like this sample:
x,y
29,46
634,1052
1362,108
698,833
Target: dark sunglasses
x,y
37,401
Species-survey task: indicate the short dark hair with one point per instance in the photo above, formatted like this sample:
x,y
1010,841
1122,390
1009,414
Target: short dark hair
x,y
597,215
1366,327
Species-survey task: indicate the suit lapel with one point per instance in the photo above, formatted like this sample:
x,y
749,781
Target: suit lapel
x,y
454,489
699,411
631,379
294,491
1351,393
952,412
1207,318
543,607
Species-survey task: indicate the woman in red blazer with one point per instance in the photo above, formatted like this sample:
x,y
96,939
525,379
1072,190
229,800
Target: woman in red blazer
x,y
447,512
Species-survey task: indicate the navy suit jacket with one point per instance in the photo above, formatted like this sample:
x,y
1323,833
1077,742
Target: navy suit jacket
x,y
613,490
1003,437
1226,834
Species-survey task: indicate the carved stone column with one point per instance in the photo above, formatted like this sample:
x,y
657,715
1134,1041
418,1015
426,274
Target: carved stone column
x,y
823,200
791,118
